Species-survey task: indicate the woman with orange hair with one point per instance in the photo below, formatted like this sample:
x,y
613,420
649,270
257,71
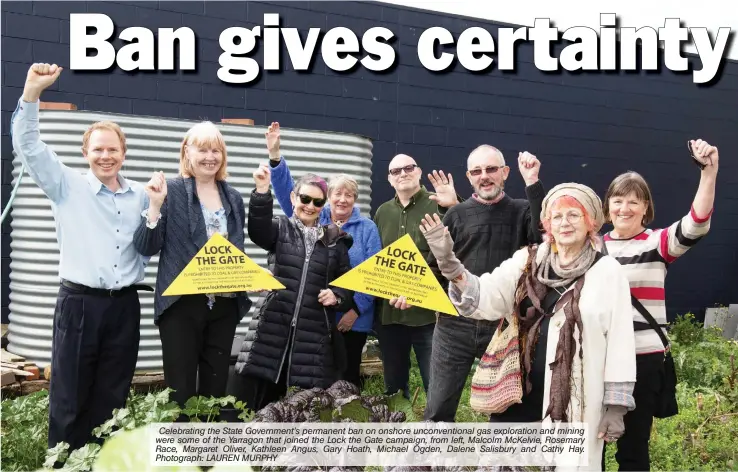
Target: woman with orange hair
x,y
183,214
571,306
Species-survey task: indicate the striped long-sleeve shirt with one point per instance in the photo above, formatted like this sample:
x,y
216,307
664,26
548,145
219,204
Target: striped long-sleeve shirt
x,y
646,258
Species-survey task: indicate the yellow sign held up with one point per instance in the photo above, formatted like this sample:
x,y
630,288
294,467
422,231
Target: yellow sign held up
x,y
398,270
221,267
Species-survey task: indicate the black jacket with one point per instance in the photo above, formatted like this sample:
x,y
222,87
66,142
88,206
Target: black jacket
x,y
181,233
292,329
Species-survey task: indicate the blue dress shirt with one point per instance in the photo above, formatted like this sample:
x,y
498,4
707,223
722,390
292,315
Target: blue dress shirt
x,y
94,226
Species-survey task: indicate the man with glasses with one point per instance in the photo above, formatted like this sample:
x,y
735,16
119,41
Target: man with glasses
x,y
399,331
486,229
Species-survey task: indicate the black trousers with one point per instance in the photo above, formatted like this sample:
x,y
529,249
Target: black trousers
x,y
354,342
633,453
196,346
395,343
93,357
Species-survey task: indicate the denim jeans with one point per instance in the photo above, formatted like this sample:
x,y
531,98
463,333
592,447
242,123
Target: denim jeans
x,y
395,342
457,341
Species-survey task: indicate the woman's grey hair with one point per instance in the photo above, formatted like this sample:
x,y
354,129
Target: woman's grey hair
x,y
343,181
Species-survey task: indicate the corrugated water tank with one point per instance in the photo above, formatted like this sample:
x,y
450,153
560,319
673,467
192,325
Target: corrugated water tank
x,y
153,145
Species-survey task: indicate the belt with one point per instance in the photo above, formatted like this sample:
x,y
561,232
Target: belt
x,y
104,292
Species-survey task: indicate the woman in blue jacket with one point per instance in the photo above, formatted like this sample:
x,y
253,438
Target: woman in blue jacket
x,y
356,323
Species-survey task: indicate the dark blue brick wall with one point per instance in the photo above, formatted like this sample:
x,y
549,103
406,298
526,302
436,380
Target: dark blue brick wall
x,y
584,127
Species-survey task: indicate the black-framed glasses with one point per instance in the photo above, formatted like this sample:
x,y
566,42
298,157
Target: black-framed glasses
x,y
408,169
306,199
488,170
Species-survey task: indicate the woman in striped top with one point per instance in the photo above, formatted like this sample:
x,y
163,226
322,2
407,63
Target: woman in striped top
x,y
645,254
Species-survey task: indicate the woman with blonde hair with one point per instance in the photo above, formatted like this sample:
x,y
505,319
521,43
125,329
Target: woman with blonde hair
x,y
196,331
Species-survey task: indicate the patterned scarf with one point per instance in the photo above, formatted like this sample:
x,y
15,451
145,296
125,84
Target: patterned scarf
x,y
310,234
534,284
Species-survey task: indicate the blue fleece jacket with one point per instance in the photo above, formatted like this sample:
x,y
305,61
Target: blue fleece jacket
x,y
365,233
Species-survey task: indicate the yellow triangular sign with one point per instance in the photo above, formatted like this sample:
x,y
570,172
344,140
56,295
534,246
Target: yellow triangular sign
x,y
221,267
398,270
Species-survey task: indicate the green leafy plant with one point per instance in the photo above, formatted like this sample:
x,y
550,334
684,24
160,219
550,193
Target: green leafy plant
x,y
140,411
702,436
201,407
24,426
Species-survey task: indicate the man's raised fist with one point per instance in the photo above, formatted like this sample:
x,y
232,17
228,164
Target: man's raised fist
x,y
40,77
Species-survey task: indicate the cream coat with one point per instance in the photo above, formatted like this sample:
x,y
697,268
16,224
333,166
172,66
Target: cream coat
x,y
608,339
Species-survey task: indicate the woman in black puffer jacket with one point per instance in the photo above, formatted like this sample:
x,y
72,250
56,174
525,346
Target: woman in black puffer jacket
x,y
291,339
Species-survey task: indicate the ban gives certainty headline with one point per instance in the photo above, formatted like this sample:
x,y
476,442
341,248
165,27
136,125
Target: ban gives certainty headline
x,y
341,48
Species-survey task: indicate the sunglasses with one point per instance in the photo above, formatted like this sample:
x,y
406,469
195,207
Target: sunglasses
x,y
306,199
408,169
488,170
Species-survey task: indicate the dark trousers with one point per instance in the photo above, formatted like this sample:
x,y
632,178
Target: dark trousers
x,y
354,342
632,453
457,341
93,357
256,392
196,346
395,342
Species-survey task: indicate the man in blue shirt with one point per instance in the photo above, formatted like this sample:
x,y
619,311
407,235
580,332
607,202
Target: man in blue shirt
x,y
97,315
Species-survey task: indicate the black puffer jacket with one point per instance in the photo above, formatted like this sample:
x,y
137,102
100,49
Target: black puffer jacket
x,y
267,346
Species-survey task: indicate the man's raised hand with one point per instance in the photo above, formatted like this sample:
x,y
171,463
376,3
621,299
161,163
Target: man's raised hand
x,y
529,166
40,77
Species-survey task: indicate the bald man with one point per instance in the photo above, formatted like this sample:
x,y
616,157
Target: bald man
x,y
399,331
486,229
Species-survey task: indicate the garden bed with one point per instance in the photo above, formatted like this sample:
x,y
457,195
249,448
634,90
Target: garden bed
x,y
702,437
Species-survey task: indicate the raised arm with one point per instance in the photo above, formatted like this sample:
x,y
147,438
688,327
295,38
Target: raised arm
x,y
445,196
530,167
150,234
372,245
705,198
40,161
683,234
491,296
263,228
281,177
449,220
